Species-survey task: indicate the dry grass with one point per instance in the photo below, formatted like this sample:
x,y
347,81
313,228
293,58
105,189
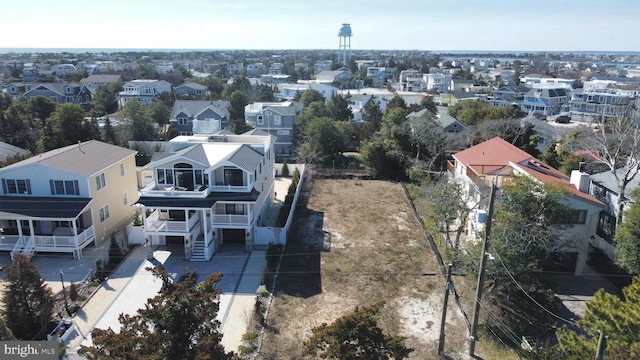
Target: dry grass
x,y
355,242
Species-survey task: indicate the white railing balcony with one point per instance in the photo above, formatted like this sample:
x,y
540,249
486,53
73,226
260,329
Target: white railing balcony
x,y
153,223
231,188
156,190
230,219
8,242
49,242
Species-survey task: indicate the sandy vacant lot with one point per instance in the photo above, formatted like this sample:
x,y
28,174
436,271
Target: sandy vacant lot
x,y
355,242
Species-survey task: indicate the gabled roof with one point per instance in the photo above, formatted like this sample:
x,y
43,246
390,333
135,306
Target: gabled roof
x,y
211,154
195,107
608,181
497,156
424,113
7,150
446,120
193,85
86,158
246,158
256,132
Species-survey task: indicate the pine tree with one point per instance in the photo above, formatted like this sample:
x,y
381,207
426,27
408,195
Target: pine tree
x,y
179,323
356,336
618,319
28,301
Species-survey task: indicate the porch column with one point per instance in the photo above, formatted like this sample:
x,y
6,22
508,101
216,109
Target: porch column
x,y
187,247
75,232
19,222
31,231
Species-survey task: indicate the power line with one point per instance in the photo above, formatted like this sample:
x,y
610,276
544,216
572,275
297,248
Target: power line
x,y
570,322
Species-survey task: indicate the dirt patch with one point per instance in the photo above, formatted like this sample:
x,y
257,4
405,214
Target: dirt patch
x,y
354,243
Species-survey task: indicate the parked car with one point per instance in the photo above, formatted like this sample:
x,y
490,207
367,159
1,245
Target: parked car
x,y
563,119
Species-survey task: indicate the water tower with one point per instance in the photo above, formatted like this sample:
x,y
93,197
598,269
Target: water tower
x,y
344,51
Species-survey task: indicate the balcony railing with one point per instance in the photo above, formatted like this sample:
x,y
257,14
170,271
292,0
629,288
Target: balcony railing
x,y
49,243
153,223
156,190
230,219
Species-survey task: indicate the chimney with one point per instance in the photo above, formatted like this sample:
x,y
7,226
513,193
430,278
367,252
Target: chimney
x,y
580,179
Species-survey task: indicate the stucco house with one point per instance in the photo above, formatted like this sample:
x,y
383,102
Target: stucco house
x,y
496,161
63,200
207,192
199,116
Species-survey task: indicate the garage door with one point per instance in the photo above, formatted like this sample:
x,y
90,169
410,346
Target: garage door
x,y
233,236
174,240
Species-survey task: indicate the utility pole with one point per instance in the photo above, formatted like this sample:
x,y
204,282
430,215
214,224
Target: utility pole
x,y
601,345
444,310
483,264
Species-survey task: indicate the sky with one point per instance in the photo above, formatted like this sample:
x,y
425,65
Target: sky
x,y
484,25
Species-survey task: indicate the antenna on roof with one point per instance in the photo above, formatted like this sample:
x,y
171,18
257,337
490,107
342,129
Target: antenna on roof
x,y
80,146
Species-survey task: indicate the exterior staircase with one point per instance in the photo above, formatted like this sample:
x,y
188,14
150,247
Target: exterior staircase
x,y
197,252
27,247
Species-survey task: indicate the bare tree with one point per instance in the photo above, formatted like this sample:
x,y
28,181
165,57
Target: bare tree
x,y
617,144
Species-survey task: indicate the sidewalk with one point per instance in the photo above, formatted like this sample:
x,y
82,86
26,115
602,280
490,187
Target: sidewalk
x,y
235,321
87,317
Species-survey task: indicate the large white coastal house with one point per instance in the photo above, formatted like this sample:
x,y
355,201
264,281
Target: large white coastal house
x,y
208,191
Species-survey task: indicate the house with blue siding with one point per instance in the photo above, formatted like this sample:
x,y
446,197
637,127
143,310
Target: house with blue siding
x,y
275,119
199,116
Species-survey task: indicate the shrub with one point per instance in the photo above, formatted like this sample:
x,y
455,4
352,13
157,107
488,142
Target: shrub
x,y
285,168
73,292
296,176
115,253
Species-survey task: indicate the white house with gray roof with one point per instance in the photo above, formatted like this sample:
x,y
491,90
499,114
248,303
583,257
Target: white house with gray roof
x,y
199,116
142,90
208,192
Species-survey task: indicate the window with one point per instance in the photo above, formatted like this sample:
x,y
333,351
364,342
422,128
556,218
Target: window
x,y
64,187
16,186
579,216
283,132
104,213
277,120
165,176
591,107
68,99
100,182
121,169
183,121
260,120
124,198
53,98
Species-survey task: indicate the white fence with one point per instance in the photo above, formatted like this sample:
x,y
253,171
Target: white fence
x,y
268,235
